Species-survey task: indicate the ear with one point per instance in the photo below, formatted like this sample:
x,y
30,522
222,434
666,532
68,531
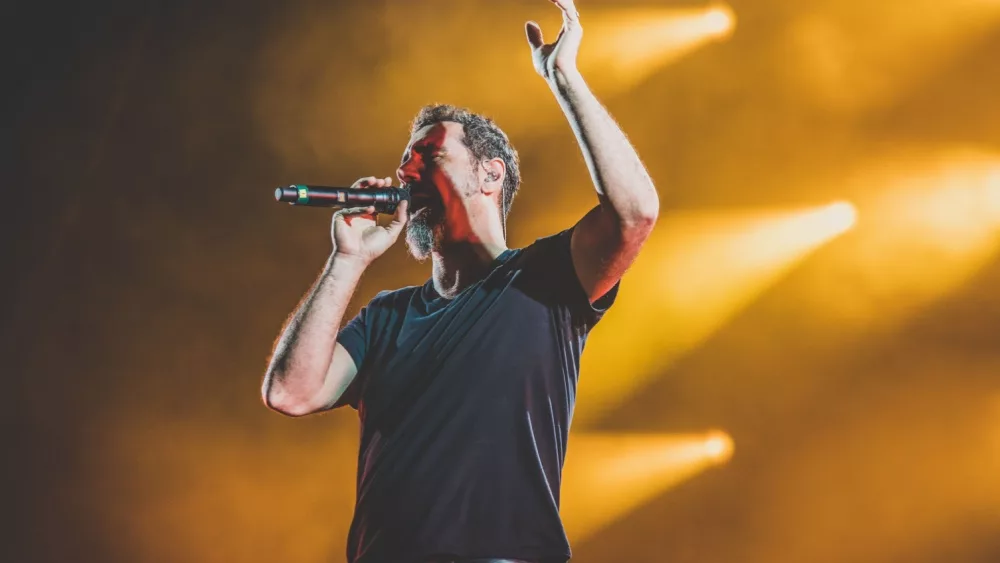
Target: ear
x,y
492,175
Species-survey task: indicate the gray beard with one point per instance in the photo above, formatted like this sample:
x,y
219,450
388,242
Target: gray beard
x,y
422,233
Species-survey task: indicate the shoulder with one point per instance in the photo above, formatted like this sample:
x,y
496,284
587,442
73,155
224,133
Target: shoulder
x,y
394,298
548,263
390,295
548,247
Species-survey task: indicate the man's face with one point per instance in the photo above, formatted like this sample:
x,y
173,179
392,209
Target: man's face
x,y
437,169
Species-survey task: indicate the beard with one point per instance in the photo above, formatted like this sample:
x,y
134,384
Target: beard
x,y
423,231
426,227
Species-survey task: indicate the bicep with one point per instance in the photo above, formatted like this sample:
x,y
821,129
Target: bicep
x,y
339,376
603,249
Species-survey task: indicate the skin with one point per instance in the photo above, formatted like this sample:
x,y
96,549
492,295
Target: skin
x,y
455,221
456,203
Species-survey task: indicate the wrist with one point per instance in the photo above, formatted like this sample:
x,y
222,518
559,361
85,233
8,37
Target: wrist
x,y
346,263
566,81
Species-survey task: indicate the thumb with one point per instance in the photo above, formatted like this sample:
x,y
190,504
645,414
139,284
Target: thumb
x,y
399,220
534,34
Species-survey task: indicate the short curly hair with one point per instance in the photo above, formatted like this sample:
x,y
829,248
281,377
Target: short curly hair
x,y
484,139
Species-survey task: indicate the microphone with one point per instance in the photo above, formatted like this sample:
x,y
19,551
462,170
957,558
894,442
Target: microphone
x,y
384,200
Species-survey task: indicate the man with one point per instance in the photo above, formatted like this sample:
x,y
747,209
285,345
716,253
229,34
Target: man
x,y
465,386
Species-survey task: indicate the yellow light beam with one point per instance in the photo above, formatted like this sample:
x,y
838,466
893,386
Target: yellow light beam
x,y
621,47
993,191
695,274
608,475
932,220
627,45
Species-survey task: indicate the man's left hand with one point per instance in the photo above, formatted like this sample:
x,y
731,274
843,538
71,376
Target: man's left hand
x,y
557,61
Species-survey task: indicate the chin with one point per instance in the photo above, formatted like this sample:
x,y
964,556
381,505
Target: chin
x,y
423,235
418,251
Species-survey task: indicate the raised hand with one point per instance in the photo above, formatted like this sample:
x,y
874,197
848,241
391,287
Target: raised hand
x,y
357,236
558,59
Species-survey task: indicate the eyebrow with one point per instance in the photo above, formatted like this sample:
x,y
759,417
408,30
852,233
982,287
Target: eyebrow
x,y
420,147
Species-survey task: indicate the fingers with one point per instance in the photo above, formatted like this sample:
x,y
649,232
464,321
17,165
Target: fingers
x,y
352,211
348,216
364,182
570,14
352,214
361,184
571,22
534,34
399,219
372,182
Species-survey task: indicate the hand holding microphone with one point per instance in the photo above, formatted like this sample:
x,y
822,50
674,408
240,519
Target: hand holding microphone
x,y
355,233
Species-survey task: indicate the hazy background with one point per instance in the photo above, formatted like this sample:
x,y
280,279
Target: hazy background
x,y
147,269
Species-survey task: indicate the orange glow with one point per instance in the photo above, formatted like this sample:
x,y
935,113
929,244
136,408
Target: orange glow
x,y
608,475
622,47
718,446
221,497
857,56
627,45
696,273
719,21
850,350
932,221
993,192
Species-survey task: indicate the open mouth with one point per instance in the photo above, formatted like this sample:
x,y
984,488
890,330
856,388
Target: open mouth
x,y
422,196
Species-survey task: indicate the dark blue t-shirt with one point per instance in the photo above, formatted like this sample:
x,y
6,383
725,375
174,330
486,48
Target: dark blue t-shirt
x,y
465,407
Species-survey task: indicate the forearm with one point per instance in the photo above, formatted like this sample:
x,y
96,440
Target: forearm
x,y
302,354
622,182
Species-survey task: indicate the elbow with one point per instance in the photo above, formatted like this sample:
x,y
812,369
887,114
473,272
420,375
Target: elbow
x,y
648,216
288,408
640,222
279,400
642,212
649,210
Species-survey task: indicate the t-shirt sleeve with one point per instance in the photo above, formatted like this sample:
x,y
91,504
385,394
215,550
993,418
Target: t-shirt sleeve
x,y
552,261
354,337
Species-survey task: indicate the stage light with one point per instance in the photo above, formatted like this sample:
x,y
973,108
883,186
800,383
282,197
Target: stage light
x,y
718,446
841,216
932,221
608,475
695,274
621,47
624,46
718,21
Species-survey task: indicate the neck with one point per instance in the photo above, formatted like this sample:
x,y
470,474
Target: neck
x,y
464,258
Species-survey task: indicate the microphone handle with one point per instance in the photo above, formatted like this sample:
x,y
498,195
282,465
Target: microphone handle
x,y
384,200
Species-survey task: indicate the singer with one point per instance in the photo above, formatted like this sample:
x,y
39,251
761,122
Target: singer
x,y
465,385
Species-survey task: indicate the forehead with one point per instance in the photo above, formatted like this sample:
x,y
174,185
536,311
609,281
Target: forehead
x,y
444,134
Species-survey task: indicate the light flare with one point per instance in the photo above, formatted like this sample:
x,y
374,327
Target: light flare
x,y
608,475
694,275
628,45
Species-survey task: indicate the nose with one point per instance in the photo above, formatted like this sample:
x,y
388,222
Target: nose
x,y
408,172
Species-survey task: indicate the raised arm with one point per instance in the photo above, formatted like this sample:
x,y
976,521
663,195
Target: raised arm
x,y
309,370
607,239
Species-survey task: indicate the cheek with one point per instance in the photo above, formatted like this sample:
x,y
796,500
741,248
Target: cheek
x,y
458,180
